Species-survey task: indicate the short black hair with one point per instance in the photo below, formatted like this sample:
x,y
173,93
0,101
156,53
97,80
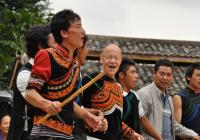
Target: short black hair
x,y
62,21
3,115
125,64
35,36
190,70
163,62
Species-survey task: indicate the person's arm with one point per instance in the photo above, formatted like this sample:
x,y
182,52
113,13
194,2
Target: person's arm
x,y
184,132
22,81
196,138
40,74
129,133
145,101
180,130
35,99
177,102
149,129
146,124
92,121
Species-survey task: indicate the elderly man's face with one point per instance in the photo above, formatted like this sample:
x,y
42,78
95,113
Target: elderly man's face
x,y
111,60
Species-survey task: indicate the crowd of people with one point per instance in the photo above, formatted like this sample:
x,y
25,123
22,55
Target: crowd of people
x,y
108,109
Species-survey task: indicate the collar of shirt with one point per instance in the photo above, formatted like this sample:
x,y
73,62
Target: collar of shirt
x,y
160,93
191,92
124,93
62,50
31,61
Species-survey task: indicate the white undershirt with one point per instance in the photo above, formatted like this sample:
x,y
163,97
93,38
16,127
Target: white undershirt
x,y
23,78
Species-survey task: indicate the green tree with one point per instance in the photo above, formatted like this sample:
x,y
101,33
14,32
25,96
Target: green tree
x,y
16,16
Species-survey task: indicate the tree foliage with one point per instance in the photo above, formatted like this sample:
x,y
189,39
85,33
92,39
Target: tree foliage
x,y
16,16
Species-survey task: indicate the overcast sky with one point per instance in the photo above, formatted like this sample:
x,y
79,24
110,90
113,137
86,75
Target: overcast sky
x,y
158,19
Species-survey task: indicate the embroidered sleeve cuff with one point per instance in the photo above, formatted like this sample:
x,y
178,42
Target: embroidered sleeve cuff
x,y
127,131
35,83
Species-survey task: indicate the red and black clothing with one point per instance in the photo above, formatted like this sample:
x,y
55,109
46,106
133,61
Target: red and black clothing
x,y
105,95
54,76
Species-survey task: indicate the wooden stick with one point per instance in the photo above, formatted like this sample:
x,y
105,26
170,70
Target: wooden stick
x,y
70,98
12,82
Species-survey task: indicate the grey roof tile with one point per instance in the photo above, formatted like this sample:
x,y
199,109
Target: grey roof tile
x,y
148,46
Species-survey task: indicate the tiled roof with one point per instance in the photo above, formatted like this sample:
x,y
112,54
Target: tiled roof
x,y
145,74
168,48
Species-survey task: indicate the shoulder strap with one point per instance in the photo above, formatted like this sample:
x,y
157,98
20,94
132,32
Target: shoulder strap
x,y
183,93
26,66
95,82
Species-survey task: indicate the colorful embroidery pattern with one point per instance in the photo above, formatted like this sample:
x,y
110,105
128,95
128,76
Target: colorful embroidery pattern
x,y
36,81
58,91
58,80
62,86
60,60
127,131
61,127
110,96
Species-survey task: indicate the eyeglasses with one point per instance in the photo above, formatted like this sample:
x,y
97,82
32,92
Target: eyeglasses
x,y
110,57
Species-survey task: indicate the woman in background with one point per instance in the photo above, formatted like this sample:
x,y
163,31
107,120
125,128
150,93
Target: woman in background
x,y
4,125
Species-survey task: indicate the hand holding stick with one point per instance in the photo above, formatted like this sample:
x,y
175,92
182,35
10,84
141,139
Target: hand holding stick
x,y
70,98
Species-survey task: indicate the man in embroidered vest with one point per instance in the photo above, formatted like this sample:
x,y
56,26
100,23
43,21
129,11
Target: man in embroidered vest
x,y
133,113
106,95
187,102
158,104
54,78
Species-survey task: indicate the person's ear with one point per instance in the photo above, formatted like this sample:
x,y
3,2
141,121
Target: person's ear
x,y
64,34
101,57
39,47
188,78
121,75
154,74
